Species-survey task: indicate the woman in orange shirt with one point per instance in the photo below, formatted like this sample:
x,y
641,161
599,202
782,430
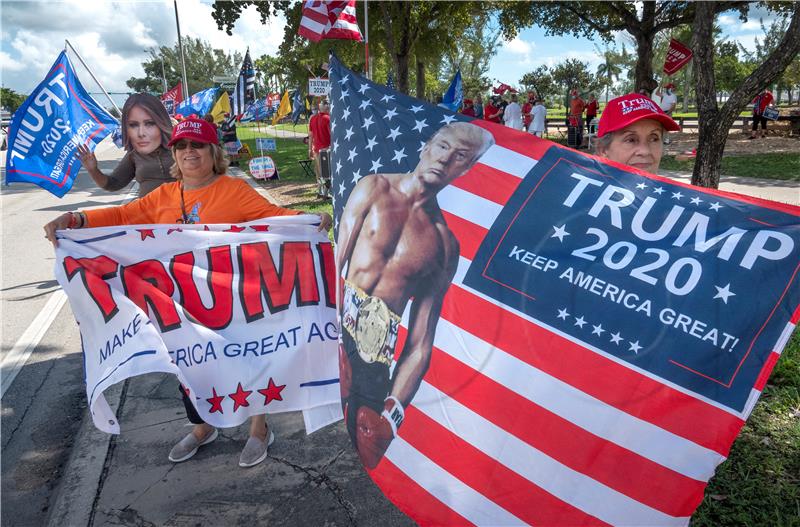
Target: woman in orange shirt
x,y
203,193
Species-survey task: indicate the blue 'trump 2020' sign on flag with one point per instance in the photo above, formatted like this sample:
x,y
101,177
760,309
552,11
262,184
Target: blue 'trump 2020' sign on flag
x,y
46,130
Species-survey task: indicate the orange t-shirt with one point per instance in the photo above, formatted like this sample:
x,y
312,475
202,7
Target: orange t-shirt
x,y
227,200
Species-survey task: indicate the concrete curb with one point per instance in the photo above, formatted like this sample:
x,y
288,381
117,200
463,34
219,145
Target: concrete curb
x,y
82,478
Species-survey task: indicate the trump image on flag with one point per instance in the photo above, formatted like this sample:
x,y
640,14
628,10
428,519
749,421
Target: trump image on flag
x,y
532,335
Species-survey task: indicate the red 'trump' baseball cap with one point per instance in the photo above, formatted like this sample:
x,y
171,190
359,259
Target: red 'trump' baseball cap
x,y
193,129
630,108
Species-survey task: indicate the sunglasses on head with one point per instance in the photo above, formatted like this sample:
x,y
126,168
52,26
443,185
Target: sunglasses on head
x,y
181,145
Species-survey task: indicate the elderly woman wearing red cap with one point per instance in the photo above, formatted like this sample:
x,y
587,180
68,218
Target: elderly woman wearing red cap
x,y
631,131
203,193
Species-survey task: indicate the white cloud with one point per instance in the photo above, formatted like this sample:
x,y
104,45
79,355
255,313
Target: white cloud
x,y
727,20
113,37
518,46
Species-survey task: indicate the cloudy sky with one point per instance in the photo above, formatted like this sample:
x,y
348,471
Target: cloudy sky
x,y
112,37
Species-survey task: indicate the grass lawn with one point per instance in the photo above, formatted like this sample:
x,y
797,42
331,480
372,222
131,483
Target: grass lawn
x,y
783,166
287,158
759,484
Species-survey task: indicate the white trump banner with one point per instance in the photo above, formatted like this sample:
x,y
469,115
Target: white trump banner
x,y
243,315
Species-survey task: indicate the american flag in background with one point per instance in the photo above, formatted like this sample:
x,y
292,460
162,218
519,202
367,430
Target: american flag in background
x,y
329,19
245,91
545,402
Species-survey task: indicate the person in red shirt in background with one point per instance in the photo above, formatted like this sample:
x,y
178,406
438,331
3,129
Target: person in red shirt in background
x,y
493,111
319,128
526,111
575,117
760,104
468,109
591,112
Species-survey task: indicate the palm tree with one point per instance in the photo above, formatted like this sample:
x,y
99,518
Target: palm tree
x,y
611,67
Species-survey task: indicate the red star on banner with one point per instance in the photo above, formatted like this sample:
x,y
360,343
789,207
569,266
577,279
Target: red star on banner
x,y
206,228
234,228
260,228
215,402
240,397
170,231
147,233
272,392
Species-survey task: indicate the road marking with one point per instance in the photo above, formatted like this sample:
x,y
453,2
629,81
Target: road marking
x,y
18,356
27,342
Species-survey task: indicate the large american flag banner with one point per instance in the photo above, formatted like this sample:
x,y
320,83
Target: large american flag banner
x,y
329,19
605,336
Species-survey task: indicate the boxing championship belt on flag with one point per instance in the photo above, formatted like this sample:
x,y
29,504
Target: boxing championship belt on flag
x,y
601,338
243,315
47,128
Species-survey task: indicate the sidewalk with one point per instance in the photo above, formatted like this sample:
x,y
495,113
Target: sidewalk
x,y
773,189
128,480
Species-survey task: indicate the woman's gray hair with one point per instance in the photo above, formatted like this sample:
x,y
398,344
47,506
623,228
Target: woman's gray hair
x,y
221,162
601,144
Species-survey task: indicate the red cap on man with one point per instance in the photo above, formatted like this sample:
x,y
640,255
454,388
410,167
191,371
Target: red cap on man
x,y
630,108
670,86
193,129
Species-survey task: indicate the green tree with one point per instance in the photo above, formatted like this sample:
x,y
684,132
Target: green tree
x,y
10,99
715,121
613,63
202,63
574,74
641,20
729,71
472,53
541,81
401,33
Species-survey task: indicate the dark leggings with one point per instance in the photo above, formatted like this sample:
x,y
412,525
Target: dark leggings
x,y
759,119
191,412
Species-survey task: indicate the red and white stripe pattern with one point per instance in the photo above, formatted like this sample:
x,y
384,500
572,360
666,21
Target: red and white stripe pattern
x,y
329,19
516,422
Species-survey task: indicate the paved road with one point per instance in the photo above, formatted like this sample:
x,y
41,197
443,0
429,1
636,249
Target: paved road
x,y
43,402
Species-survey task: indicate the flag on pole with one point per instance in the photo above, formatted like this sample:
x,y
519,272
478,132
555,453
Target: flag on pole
x,y
199,104
455,93
329,19
245,92
47,128
284,109
173,98
603,333
221,107
678,55
297,106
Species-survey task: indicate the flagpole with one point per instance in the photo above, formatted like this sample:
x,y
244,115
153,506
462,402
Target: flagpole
x,y
367,68
68,43
180,48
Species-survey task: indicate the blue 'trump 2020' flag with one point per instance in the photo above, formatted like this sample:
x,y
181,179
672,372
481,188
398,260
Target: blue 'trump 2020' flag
x,y
200,103
46,130
605,334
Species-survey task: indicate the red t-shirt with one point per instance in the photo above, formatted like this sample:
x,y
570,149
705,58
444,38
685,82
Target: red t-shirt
x,y
591,108
320,128
761,102
469,112
489,110
526,113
